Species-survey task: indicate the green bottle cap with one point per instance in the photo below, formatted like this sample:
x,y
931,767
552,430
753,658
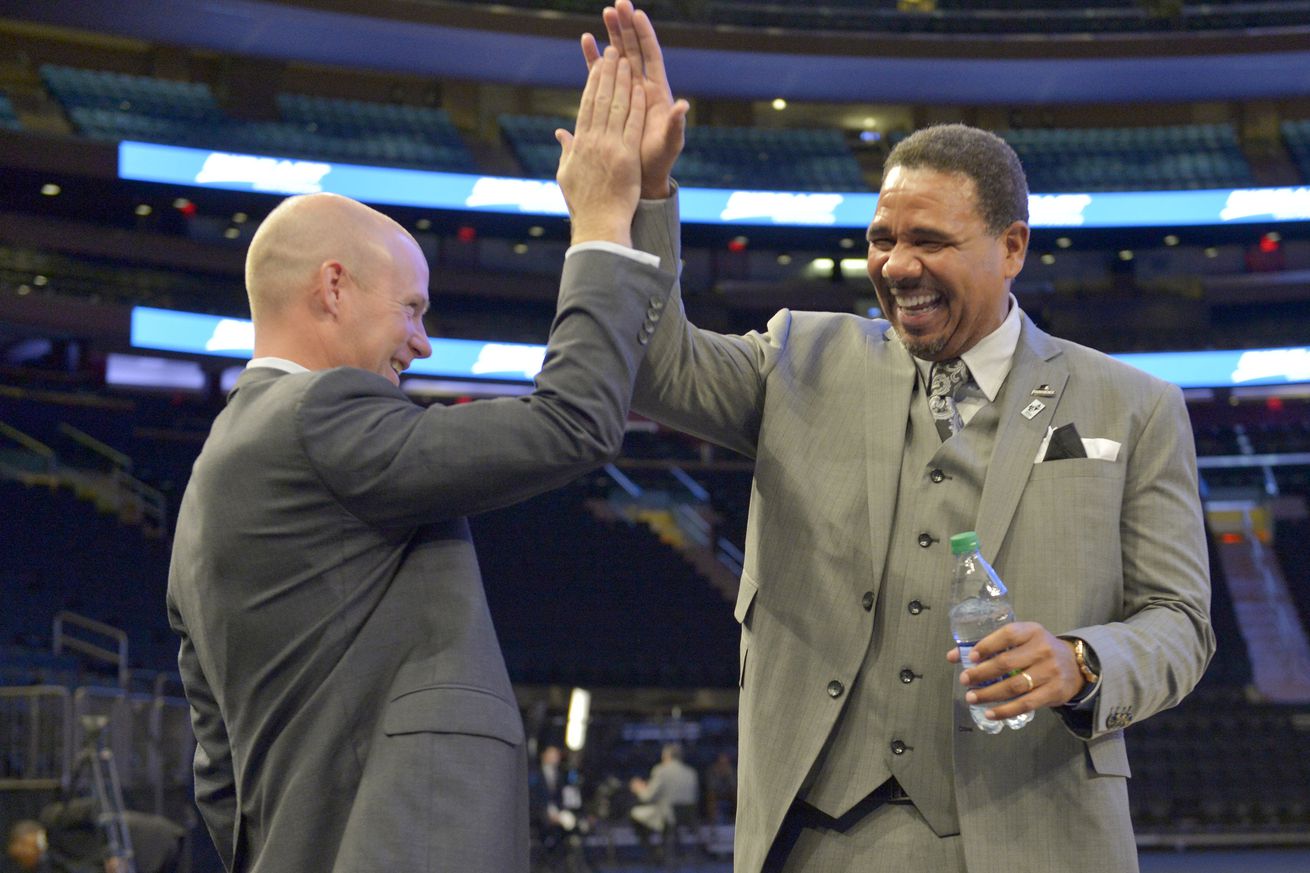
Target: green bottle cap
x,y
963,543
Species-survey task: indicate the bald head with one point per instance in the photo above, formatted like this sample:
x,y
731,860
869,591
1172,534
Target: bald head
x,y
26,844
303,233
333,283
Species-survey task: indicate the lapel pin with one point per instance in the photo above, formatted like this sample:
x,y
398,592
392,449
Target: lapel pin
x,y
1043,390
1030,411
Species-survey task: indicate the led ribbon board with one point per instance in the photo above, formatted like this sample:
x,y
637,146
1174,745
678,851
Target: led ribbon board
x,y
148,162
195,333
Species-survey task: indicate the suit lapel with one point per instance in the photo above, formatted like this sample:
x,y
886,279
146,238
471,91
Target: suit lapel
x,y
890,377
1037,362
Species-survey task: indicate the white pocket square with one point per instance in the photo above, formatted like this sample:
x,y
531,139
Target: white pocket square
x,y
1101,449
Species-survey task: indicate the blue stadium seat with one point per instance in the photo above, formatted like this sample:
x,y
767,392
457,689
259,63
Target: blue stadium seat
x,y
1192,156
8,116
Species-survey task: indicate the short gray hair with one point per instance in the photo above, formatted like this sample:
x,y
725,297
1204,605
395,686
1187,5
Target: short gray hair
x,y
998,177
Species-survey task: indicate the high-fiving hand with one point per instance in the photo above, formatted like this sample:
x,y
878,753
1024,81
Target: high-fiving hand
x,y
599,165
633,36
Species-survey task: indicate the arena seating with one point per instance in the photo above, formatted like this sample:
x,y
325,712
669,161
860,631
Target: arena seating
x,y
1296,137
614,607
966,17
8,116
113,106
784,159
142,95
1219,764
532,140
1292,541
1119,158
62,553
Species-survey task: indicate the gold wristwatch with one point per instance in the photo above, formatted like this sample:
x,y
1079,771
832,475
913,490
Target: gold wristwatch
x,y
1082,654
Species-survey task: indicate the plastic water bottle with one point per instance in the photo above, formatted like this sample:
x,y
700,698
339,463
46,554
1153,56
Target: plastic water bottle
x,y
979,605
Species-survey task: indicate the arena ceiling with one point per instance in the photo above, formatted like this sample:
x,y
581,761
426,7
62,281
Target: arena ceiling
x,y
498,44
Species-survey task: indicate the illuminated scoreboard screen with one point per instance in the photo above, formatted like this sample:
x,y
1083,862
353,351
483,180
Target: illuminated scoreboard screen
x,y
147,162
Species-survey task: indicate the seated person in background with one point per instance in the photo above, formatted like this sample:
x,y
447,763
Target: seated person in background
x,y
673,783
68,839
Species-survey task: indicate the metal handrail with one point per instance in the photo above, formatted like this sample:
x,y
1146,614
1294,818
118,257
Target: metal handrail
x,y
117,657
108,452
146,502
151,502
35,731
36,447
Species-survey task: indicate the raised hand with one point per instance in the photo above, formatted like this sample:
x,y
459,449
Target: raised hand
x,y
600,165
633,36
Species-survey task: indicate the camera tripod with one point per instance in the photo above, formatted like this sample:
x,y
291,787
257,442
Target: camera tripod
x,y
95,764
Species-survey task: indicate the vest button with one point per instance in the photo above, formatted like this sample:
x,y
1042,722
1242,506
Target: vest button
x,y
835,689
925,540
898,747
915,607
907,675
867,601
937,476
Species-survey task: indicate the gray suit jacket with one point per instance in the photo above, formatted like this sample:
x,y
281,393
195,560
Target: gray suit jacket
x,y
672,784
348,694
1113,552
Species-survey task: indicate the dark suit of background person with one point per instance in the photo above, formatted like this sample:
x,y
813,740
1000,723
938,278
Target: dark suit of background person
x,y
546,801
845,590
350,700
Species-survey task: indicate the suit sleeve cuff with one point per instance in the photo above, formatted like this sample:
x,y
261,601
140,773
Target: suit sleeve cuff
x,y
614,248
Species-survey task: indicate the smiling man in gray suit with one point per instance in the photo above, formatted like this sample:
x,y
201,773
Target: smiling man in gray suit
x,y
350,701
857,749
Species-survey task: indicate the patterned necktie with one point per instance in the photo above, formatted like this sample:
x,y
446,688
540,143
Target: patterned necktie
x,y
946,383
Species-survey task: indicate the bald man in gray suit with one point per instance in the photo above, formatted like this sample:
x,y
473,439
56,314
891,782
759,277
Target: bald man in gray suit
x,y
857,750
350,701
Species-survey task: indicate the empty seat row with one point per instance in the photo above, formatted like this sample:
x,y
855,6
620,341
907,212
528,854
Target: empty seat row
x,y
144,95
717,157
114,107
359,117
1157,138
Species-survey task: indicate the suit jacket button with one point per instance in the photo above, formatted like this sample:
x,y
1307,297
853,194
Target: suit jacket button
x,y
907,675
867,601
925,540
936,476
898,747
835,689
914,607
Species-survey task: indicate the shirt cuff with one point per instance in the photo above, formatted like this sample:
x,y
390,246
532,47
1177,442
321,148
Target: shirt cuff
x,y
1087,701
615,249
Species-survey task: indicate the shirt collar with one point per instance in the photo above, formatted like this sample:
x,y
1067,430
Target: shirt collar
x,y
990,359
277,364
